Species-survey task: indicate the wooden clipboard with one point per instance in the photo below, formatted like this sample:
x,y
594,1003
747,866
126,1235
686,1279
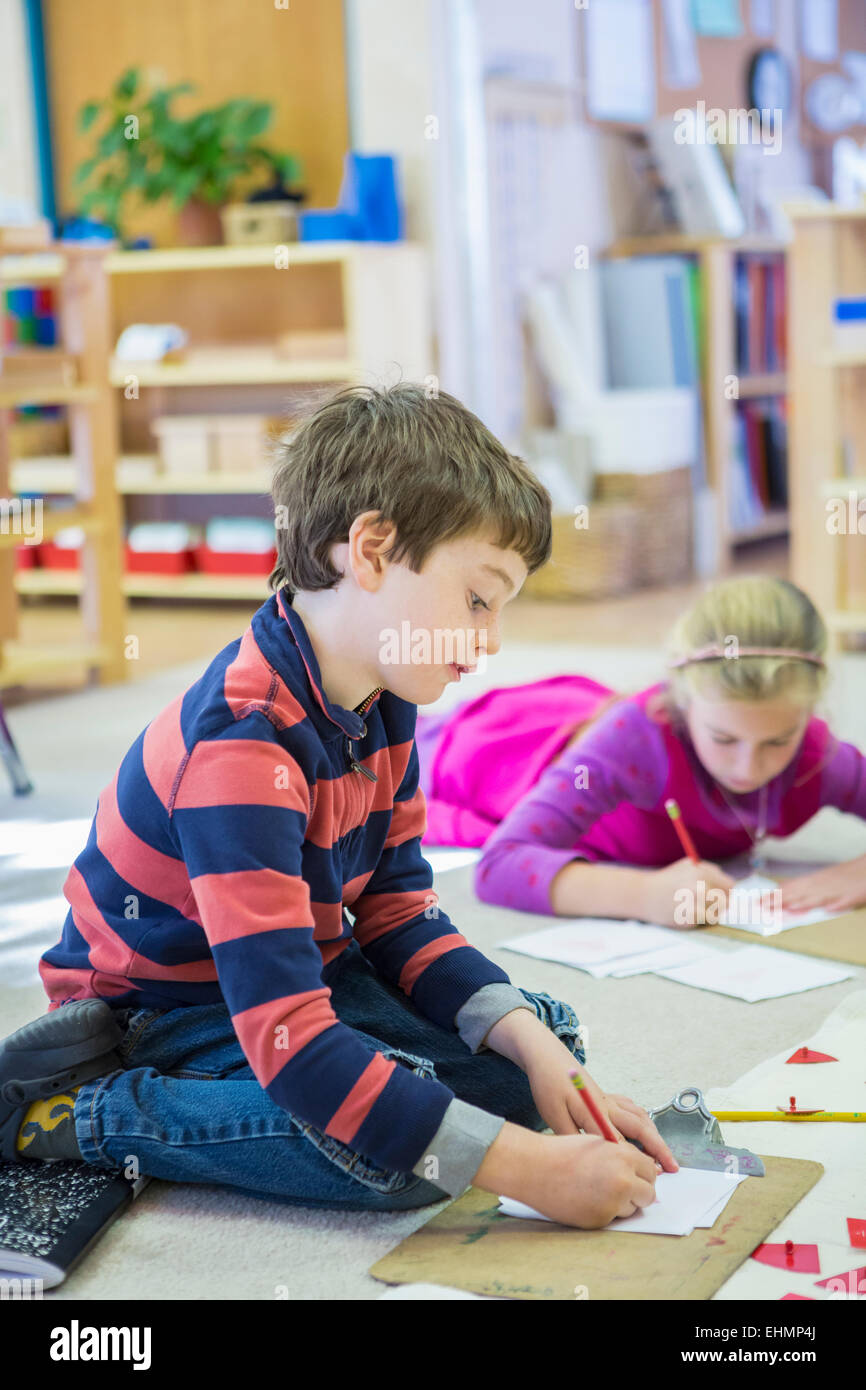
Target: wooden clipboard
x,y
842,938
471,1246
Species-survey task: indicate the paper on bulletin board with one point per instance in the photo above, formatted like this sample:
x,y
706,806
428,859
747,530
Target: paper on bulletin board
x,y
620,63
762,18
681,64
717,19
819,30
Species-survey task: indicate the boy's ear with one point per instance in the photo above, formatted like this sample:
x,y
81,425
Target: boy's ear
x,y
371,537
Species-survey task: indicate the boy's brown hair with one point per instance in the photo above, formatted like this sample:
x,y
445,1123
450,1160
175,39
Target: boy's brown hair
x,y
423,462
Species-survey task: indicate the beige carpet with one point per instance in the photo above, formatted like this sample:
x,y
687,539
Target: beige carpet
x,y
186,1242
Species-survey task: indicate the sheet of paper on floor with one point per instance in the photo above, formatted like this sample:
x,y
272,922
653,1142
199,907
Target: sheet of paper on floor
x,y
745,910
685,952
692,1197
593,944
758,972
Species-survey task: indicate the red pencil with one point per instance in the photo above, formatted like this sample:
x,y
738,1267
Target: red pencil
x,y
685,838
579,1083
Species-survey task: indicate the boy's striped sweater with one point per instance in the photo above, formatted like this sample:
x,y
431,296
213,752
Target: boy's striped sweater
x,y
220,864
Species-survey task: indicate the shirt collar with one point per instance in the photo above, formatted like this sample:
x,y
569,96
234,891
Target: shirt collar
x,y
349,720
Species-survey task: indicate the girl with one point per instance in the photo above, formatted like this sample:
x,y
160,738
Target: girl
x,y
579,776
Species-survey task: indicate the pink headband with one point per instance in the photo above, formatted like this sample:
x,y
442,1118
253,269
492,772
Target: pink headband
x,y
715,653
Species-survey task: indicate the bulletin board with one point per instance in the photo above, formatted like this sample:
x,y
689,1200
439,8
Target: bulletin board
x,y
724,65
852,38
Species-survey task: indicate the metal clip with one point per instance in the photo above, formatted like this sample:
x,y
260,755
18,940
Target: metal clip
x,y
690,1103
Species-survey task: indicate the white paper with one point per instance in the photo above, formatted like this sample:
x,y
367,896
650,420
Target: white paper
x,y
762,18
746,913
648,962
855,66
819,30
758,972
591,942
681,65
686,1199
620,68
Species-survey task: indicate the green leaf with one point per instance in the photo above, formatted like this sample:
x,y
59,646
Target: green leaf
x,y
127,86
186,187
88,114
83,172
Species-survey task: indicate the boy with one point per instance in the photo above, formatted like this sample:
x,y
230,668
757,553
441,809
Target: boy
x,y
214,1015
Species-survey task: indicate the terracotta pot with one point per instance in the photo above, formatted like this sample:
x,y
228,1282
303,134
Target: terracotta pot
x,y
198,224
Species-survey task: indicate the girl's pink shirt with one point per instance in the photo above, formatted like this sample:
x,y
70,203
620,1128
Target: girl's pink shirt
x,y
602,799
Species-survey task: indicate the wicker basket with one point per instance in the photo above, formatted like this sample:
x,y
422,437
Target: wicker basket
x,y
639,534
259,224
598,561
664,500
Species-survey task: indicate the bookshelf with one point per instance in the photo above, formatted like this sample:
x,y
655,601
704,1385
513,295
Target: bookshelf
x,y
28,377
234,303
828,418
717,261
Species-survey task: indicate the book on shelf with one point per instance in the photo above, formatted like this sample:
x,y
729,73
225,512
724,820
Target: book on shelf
x,y
759,479
759,306
652,311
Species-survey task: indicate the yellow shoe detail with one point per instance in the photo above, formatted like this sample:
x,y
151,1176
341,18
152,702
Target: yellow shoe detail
x,y
44,1115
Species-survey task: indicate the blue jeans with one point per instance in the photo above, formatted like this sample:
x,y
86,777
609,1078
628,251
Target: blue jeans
x,y
188,1106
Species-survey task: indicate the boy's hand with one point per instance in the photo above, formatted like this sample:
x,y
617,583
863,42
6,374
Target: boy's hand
x,y
547,1063
576,1179
836,888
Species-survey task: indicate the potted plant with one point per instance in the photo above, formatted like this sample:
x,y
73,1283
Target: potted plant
x,y
146,151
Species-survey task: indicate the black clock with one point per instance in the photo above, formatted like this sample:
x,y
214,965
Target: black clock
x,y
769,85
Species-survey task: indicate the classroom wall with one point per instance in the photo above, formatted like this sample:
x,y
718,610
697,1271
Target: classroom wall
x,y
292,56
19,177
390,81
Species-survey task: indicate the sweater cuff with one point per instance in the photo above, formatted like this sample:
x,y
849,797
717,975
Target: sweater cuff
x,y
457,1149
546,864
485,1007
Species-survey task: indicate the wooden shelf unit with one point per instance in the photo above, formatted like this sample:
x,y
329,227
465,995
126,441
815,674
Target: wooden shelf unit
x,y
135,474
234,301
716,259
827,260
84,329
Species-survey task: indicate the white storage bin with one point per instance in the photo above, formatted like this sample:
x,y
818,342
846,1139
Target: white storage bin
x,y
184,443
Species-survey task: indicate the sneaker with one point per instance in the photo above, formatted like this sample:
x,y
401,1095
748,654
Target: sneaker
x,y
53,1054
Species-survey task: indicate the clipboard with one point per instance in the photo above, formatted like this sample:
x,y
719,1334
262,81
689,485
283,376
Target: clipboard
x,y
841,938
470,1245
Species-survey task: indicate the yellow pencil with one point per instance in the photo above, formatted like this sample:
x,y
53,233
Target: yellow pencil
x,y
784,1115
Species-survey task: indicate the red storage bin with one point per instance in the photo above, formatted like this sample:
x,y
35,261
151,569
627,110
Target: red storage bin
x,y
233,561
56,557
158,561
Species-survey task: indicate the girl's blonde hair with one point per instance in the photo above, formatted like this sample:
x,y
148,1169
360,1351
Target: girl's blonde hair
x,y
752,611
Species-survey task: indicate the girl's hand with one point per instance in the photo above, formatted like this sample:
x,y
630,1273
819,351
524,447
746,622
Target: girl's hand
x,y
561,1105
684,894
837,888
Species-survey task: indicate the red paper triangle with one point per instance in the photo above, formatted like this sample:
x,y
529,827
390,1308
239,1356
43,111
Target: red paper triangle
x,y
806,1297
802,1260
857,1232
810,1056
851,1282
